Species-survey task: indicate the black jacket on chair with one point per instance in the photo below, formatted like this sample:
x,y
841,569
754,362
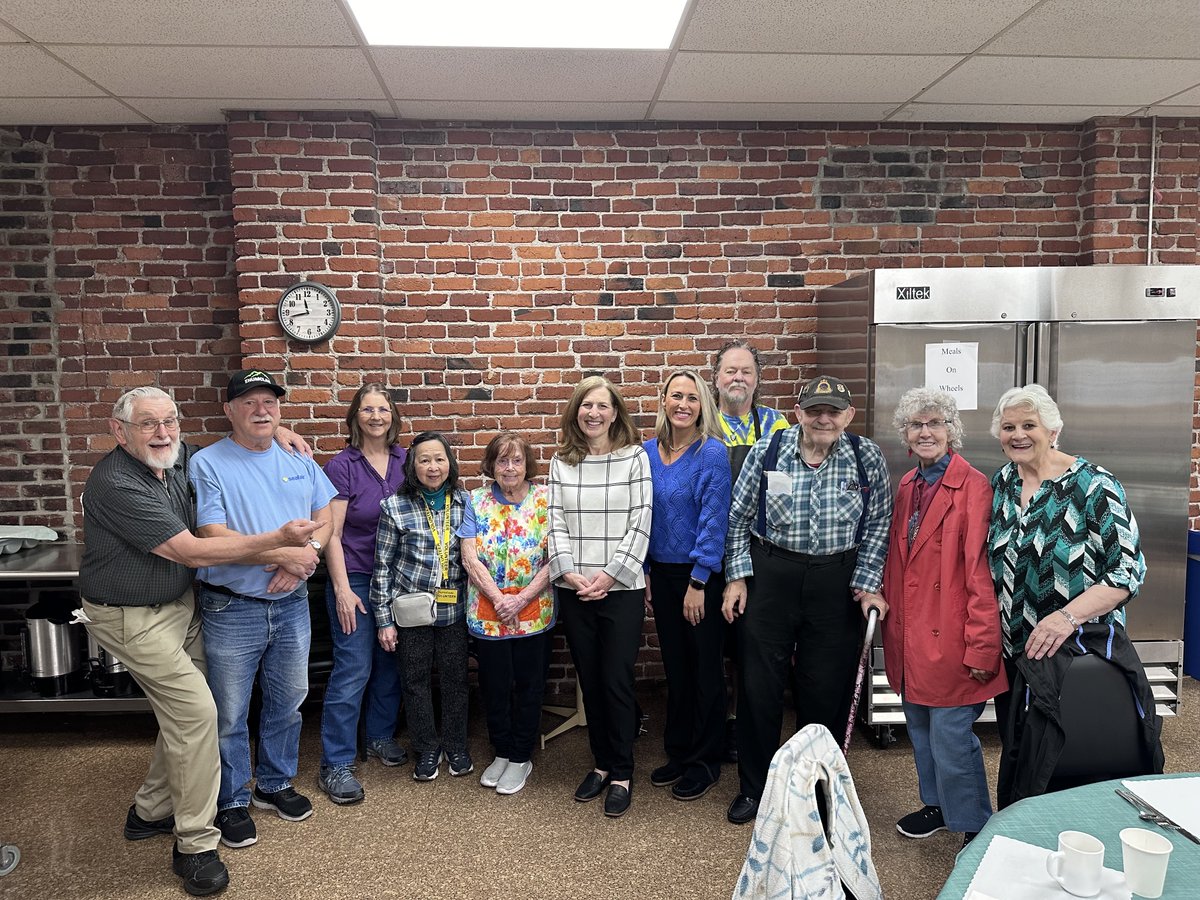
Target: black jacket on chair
x,y
1034,737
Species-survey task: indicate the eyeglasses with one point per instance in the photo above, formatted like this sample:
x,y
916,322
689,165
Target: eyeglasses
x,y
374,411
932,425
510,462
149,426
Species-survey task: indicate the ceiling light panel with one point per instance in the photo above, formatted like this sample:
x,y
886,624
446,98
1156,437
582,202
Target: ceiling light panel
x,y
594,24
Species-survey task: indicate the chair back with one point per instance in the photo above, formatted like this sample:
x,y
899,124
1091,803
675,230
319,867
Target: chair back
x,y
1100,719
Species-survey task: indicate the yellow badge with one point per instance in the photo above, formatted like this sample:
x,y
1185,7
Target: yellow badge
x,y
447,595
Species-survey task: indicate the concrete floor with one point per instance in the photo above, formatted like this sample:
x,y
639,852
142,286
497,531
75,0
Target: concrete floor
x,y
66,784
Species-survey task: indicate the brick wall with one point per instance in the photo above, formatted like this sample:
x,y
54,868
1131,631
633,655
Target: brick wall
x,y
481,268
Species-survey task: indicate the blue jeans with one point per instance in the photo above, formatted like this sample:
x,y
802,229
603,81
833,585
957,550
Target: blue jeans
x,y
239,637
950,763
359,665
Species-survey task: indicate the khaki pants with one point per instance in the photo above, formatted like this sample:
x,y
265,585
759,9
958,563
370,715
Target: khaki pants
x,y
163,650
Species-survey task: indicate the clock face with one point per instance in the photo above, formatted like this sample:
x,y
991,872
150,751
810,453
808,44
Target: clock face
x,y
309,312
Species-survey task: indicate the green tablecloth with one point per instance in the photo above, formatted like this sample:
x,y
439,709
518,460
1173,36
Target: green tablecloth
x,y
1093,808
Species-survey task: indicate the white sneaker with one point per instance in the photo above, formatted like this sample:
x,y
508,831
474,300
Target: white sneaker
x,y
514,777
491,775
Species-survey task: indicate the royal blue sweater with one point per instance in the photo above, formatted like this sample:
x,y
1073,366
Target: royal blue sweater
x,y
691,507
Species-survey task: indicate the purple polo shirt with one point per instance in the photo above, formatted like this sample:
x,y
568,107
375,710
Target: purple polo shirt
x,y
360,486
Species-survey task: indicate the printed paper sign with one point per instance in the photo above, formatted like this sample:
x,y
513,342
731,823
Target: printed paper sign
x,y
953,367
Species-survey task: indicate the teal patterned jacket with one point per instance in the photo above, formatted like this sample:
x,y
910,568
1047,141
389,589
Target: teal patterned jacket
x,y
1077,531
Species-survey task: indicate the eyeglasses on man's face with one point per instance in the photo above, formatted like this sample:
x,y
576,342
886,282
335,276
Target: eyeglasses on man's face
x,y
149,426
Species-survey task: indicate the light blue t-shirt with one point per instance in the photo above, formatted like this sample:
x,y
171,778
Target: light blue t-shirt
x,y
251,492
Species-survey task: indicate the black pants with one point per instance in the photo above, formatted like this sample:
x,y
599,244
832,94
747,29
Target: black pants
x,y
512,679
807,605
694,734
418,649
604,637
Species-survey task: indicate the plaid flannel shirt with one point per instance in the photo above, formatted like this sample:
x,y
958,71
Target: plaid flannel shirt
x,y
820,515
600,517
406,558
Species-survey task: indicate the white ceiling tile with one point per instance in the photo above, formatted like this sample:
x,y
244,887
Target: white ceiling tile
x,y
785,78
848,26
66,111
27,71
1074,81
262,22
1173,111
771,112
194,110
433,73
1185,98
1002,113
227,71
527,111
1160,29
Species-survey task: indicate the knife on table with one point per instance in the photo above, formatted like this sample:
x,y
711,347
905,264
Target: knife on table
x,y
1138,802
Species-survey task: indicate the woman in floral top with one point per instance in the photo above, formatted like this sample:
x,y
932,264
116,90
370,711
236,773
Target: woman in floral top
x,y
510,605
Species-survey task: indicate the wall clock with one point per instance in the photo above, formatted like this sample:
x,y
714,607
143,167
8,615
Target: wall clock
x,y
309,312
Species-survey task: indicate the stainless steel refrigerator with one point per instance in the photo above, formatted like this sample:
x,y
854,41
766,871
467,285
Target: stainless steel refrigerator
x,y
1114,345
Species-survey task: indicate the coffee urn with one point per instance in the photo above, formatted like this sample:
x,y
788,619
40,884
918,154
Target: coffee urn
x,y
109,676
52,656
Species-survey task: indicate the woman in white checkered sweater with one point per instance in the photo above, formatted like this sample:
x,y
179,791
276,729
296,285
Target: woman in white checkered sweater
x,y
600,505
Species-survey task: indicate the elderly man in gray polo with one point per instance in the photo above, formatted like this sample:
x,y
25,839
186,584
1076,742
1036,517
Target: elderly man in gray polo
x,y
136,582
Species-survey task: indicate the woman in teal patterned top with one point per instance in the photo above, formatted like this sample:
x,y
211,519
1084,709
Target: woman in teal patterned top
x,y
1063,543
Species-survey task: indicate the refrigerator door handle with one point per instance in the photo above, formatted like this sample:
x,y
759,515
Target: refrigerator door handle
x,y
1038,355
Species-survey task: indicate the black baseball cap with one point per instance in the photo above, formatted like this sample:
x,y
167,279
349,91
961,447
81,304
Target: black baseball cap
x,y
824,390
247,380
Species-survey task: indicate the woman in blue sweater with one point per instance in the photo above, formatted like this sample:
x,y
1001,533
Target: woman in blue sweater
x,y
689,466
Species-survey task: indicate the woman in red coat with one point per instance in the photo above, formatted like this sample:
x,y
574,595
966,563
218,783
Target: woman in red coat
x,y
941,628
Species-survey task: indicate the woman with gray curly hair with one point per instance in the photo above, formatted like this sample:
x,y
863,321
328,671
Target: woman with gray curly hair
x,y
941,623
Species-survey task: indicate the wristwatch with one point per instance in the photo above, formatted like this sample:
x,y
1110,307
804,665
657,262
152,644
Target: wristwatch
x,y
696,583
315,544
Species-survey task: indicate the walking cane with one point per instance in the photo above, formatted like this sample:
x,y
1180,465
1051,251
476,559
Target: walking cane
x,y
863,662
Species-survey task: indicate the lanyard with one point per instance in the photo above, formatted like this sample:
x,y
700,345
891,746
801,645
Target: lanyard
x,y
443,546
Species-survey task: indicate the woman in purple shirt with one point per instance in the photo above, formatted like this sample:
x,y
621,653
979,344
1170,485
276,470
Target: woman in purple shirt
x,y
366,472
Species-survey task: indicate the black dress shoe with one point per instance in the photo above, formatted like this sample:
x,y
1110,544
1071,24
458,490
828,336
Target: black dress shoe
x,y
666,774
689,788
743,809
591,787
616,803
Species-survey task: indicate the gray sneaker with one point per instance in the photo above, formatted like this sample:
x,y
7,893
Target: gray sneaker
x,y
387,751
491,775
514,777
340,784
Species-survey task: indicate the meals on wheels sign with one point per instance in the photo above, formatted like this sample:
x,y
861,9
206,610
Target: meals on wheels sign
x,y
953,367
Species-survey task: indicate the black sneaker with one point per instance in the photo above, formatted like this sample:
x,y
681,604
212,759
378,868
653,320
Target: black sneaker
x,y
923,823
666,774
460,762
202,873
138,829
969,836
285,801
387,750
426,768
237,828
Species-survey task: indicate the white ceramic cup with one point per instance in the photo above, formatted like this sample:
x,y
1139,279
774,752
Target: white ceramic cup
x,y
1144,855
1077,864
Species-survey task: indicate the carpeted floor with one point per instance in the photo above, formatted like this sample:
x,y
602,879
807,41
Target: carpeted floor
x,y
66,784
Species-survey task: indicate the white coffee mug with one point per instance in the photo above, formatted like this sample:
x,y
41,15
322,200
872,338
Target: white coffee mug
x,y
1144,855
1078,863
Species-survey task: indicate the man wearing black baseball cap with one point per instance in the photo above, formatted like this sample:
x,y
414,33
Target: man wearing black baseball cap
x,y
808,531
255,613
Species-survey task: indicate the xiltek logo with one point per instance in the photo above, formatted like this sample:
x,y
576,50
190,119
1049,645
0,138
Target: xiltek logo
x,y
912,293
